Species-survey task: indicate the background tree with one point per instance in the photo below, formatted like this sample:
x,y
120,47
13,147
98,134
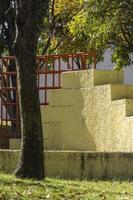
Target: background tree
x,y
7,26
7,36
29,16
55,36
106,24
97,25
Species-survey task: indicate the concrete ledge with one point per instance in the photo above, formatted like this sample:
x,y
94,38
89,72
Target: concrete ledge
x,y
77,79
71,164
121,91
102,77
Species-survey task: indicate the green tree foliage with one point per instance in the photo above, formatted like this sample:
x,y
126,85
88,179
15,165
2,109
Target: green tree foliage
x,y
82,25
7,36
55,36
7,26
3,9
104,24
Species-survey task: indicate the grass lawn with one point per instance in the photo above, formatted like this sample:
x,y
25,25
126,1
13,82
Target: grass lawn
x,y
54,189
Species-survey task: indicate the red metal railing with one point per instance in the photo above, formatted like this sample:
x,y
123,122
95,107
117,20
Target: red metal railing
x,y
49,69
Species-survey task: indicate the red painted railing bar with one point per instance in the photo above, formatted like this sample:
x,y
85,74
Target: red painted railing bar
x,y
59,81
53,73
45,90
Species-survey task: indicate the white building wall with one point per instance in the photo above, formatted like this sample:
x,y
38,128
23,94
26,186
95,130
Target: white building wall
x,y
107,64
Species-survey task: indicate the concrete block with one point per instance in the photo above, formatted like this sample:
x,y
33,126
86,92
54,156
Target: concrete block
x,y
77,79
61,97
77,164
88,78
102,77
82,115
56,113
121,91
129,107
52,135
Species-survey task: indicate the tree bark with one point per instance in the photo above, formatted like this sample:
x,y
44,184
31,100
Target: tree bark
x,y
28,23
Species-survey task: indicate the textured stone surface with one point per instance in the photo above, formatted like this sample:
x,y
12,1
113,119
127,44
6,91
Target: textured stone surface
x,y
90,113
70,164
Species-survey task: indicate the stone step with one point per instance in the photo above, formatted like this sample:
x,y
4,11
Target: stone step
x,y
91,77
103,77
72,96
75,97
129,107
119,91
61,97
125,107
76,79
69,97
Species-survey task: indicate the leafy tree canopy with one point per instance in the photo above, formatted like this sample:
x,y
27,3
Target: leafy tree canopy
x,y
3,28
7,25
81,25
106,24
56,37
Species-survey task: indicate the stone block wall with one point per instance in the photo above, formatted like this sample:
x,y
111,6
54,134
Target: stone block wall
x,y
92,112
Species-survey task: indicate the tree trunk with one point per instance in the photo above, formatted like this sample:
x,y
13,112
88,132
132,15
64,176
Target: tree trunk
x,y
28,21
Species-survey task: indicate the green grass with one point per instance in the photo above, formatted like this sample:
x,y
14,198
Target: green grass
x,y
54,189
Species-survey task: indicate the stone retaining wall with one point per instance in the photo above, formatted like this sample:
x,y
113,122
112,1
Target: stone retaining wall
x,y
71,164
